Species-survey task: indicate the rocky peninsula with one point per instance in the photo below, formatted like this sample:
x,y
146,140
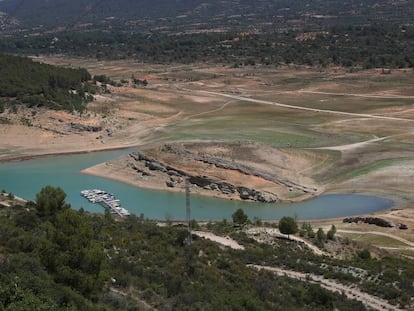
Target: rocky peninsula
x,y
241,170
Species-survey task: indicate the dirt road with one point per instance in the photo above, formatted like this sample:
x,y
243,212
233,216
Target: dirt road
x,y
351,292
368,300
359,95
354,145
266,102
276,233
363,143
226,241
389,235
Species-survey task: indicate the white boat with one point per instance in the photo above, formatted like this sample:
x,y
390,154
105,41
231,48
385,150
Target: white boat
x,y
106,199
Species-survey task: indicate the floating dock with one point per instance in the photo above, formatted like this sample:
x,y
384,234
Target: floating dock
x,y
105,199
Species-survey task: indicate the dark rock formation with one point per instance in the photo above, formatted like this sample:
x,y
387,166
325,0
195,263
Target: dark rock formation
x,y
230,165
204,182
170,183
86,128
138,170
155,166
251,194
369,220
402,226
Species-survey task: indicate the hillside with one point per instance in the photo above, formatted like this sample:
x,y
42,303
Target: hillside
x,y
23,81
369,34
56,258
375,33
198,14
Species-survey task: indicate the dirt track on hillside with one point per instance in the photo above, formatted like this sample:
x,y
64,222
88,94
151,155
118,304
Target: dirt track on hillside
x,y
389,235
276,233
359,95
351,292
266,102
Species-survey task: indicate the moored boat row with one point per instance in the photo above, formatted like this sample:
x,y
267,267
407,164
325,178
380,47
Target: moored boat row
x,y
105,199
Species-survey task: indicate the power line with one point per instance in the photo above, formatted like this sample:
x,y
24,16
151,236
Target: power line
x,y
188,209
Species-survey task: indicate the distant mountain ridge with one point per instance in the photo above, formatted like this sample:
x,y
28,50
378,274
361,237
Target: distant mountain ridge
x,y
216,13
57,11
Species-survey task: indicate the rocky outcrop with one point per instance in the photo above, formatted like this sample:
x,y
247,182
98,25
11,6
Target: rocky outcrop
x,y
402,226
230,165
170,183
152,164
85,128
176,177
251,194
138,170
155,166
369,220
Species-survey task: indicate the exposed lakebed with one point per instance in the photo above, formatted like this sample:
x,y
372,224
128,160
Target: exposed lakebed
x,y
26,178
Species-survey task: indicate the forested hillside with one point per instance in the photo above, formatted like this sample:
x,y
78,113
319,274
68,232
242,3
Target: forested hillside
x,y
56,258
305,14
365,47
374,33
24,81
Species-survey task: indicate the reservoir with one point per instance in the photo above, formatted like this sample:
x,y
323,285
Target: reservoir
x,y
26,178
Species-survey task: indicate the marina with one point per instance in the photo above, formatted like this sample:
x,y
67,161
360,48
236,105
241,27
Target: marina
x,y
107,200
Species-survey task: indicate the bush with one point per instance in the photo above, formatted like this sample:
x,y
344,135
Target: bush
x,y
364,254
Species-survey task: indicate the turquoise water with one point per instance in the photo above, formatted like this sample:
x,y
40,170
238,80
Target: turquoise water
x,y
26,178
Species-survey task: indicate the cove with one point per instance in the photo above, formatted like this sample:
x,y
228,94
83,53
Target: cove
x,y
26,178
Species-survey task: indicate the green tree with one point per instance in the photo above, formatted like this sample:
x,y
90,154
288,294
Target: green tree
x,y
50,200
13,297
364,254
72,254
331,233
239,217
320,235
307,228
287,225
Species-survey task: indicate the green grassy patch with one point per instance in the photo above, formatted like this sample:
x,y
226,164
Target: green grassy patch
x,y
379,240
343,103
271,125
229,129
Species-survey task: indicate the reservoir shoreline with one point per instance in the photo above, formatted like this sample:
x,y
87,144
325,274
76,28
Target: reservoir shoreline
x,y
103,170
399,202
62,153
26,178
